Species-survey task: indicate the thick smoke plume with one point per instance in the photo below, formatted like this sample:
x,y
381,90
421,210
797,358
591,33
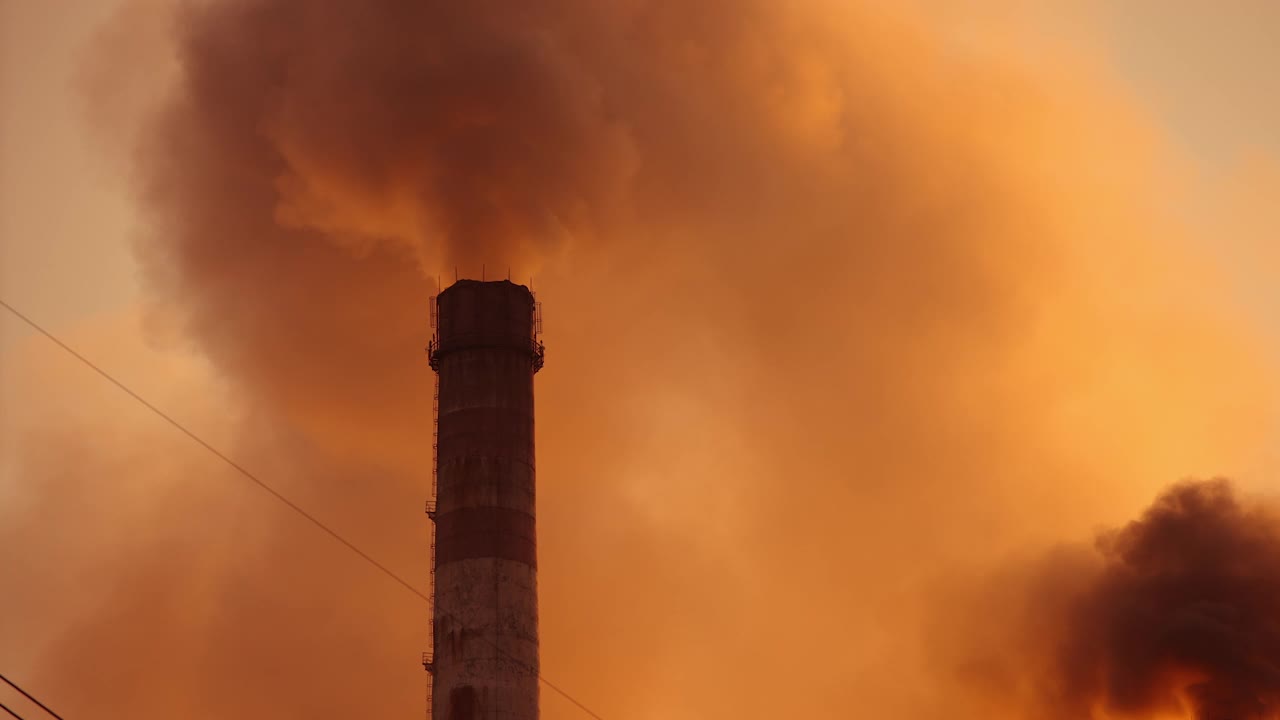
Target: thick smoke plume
x,y
1172,615
1185,601
836,297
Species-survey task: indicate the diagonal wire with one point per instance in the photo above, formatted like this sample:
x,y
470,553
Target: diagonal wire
x,y
273,492
28,696
200,441
6,709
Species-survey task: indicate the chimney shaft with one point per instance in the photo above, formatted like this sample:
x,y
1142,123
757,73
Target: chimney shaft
x,y
485,623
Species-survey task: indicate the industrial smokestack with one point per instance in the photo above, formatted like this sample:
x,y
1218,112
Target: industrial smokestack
x,y
484,663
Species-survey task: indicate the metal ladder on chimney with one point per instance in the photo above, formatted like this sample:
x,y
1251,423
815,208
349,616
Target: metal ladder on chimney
x,y
428,657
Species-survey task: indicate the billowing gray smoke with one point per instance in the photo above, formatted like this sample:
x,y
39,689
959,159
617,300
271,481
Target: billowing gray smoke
x,y
1174,613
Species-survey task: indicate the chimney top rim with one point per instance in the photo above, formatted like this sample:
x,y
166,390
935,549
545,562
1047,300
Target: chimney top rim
x,y
468,282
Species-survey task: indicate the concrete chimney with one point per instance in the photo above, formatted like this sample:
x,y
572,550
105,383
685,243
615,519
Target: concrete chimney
x,y
484,659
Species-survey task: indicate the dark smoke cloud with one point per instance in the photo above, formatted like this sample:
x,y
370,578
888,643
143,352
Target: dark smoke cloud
x,y
1174,612
483,131
1193,586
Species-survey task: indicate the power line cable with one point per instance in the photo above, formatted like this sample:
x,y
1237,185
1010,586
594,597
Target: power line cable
x,y
182,428
274,493
6,709
28,696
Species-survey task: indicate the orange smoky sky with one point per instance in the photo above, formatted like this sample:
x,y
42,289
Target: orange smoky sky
x,y
837,303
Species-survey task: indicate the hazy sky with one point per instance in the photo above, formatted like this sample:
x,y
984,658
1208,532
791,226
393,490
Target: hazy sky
x,y
1204,71
1126,366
